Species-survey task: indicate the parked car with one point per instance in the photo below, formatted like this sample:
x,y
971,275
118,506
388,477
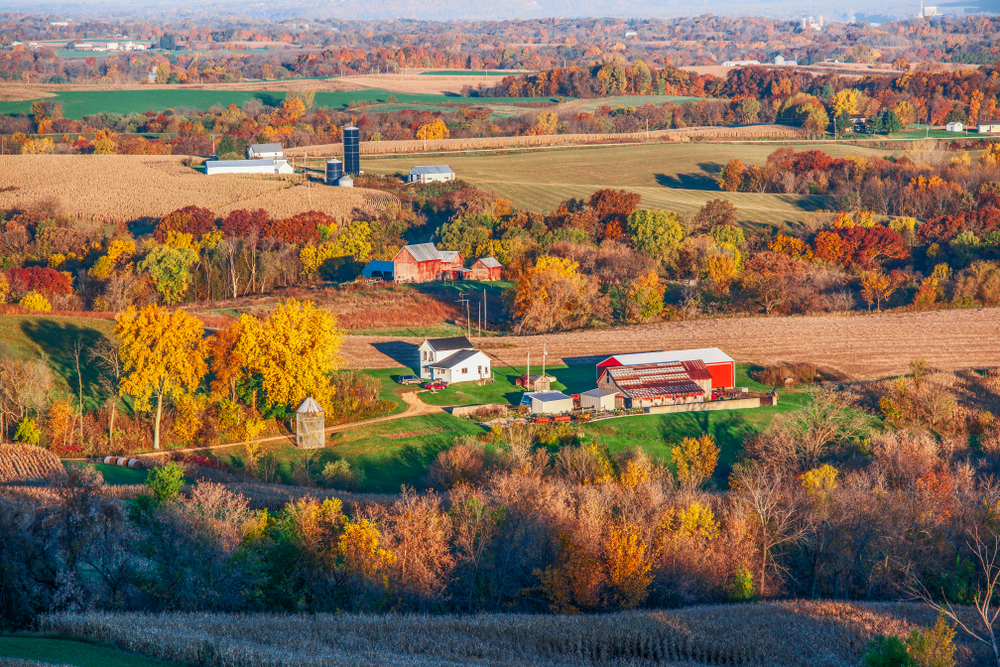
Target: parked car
x,y
408,379
434,386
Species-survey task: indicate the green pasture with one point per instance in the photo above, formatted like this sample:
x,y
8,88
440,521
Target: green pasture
x,y
674,176
114,475
80,103
50,650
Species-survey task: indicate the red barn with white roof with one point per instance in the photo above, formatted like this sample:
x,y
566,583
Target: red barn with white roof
x,y
720,365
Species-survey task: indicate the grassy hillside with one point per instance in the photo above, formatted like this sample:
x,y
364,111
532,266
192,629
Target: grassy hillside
x,y
676,176
69,652
52,338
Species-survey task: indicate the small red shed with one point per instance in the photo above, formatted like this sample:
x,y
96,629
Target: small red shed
x,y
486,268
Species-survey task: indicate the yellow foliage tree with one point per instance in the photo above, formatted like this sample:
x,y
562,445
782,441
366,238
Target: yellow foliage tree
x,y
359,547
163,354
432,131
645,297
294,350
103,143
846,101
696,520
4,288
353,241
553,295
876,287
629,559
35,301
695,460
119,252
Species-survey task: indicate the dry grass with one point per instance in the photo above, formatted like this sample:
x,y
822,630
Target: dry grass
x,y
791,634
681,135
859,346
25,463
125,188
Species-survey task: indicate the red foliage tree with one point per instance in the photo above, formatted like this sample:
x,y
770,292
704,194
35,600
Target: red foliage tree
x,y
865,246
39,279
241,222
807,161
193,220
614,203
300,228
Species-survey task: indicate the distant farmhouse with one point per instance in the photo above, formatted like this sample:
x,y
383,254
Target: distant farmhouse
x,y
989,126
440,173
451,360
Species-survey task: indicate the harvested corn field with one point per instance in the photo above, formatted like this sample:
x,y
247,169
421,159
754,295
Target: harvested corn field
x,y
862,347
129,188
791,634
25,463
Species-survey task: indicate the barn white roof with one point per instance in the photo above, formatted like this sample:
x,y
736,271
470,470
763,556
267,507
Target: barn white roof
x,y
266,148
548,396
430,170
710,355
490,262
423,252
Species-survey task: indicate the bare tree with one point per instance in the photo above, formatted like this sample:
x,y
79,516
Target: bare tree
x,y
106,355
77,353
24,388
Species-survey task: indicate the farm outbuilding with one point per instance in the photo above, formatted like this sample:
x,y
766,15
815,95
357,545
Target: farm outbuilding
x,y
310,423
720,365
954,127
418,263
379,269
549,402
213,167
434,350
265,152
989,126
451,265
535,382
440,173
646,385
602,398
486,268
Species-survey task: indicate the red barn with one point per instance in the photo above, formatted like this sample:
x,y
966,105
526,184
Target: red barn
x,y
418,263
486,268
720,365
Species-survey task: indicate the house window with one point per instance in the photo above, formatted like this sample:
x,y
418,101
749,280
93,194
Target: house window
x,y
480,371
464,371
425,355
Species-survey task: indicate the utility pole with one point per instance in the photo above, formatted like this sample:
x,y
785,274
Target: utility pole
x,y
485,323
527,372
479,315
545,353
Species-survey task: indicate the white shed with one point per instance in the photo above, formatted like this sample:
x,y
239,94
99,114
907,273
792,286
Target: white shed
x,y
310,425
989,126
462,366
549,402
265,152
954,127
598,399
439,173
213,167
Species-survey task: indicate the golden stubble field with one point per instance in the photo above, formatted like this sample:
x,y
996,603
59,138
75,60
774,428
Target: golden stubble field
x,y
861,347
128,188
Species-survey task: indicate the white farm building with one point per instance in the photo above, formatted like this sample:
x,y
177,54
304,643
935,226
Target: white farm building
x,y
213,167
452,360
954,127
434,174
265,152
548,402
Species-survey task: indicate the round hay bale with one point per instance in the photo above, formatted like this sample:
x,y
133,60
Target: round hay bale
x,y
110,460
135,464
122,461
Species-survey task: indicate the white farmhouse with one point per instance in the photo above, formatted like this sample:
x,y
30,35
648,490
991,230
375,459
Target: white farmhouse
x,y
453,360
213,167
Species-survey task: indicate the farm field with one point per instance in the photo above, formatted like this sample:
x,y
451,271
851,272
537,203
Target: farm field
x,y
80,103
776,633
675,176
53,650
855,346
128,189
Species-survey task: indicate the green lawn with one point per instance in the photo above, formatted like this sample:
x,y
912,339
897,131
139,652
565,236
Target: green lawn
x,y
115,475
69,652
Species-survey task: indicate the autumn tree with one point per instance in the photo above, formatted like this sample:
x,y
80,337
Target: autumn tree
x,y
645,298
657,233
714,213
553,295
294,351
731,177
695,460
162,354
876,287
170,269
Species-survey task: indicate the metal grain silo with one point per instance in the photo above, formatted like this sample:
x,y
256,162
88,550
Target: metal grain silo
x,y
352,159
334,170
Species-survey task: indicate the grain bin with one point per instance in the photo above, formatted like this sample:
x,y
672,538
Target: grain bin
x,y
310,423
334,171
352,159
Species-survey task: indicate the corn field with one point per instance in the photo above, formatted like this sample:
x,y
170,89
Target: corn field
x,y
127,188
682,134
791,634
25,463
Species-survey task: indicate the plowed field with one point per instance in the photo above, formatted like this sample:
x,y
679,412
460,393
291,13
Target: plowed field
x,y
849,346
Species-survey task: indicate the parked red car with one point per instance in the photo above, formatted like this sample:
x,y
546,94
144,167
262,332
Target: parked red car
x,y
434,386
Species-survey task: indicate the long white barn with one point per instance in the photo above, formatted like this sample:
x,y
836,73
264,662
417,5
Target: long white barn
x,y
213,167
